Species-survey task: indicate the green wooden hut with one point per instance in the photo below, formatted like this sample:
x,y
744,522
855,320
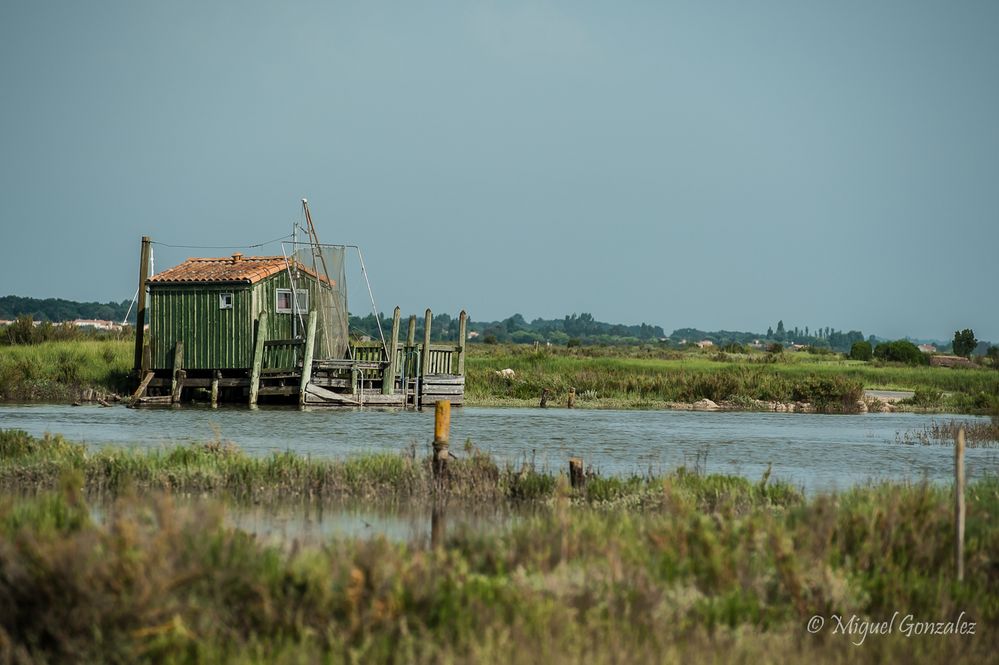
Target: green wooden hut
x,y
214,305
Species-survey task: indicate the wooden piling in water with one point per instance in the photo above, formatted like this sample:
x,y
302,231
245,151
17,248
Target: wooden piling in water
x,y
310,346
216,375
427,323
258,357
177,382
388,379
959,508
442,433
570,401
543,404
577,477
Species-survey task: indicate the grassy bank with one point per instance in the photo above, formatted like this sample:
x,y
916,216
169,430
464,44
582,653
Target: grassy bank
x,y
58,371
604,377
30,463
648,378
673,577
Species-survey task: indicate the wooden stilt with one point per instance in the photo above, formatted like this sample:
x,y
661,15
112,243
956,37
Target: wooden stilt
x,y
216,375
258,357
310,345
388,379
177,384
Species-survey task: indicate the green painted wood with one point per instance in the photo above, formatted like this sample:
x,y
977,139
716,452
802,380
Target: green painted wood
x,y
213,338
258,357
310,345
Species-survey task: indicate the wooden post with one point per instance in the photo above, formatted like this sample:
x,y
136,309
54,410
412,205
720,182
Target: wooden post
x,y
178,386
427,322
258,357
576,473
177,383
411,333
442,432
216,375
544,399
140,310
462,338
388,378
310,347
570,401
959,504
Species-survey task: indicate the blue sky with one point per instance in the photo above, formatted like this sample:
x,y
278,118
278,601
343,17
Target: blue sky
x,y
705,164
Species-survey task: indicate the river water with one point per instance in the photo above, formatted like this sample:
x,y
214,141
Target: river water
x,y
816,452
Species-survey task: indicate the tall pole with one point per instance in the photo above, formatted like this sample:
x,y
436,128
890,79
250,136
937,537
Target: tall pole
x,y
388,379
140,311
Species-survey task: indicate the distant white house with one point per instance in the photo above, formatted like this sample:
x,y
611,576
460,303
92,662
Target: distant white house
x,y
927,348
473,335
705,343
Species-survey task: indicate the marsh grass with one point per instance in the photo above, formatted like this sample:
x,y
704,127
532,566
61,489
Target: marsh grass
x,y
644,377
59,370
155,582
29,464
978,434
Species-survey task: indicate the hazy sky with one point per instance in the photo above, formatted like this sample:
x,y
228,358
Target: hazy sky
x,y
707,164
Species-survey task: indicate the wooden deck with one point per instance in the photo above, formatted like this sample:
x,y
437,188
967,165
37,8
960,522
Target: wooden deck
x,y
414,375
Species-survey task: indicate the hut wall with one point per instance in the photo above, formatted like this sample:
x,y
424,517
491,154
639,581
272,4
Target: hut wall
x,y
280,326
213,338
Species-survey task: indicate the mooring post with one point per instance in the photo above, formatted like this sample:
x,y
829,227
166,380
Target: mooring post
x,y
570,401
576,473
442,432
216,375
412,363
427,323
258,357
959,504
411,333
544,399
177,383
310,347
388,379
140,309
462,338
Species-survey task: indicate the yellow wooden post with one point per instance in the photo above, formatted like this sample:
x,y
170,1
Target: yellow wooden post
x,y
442,433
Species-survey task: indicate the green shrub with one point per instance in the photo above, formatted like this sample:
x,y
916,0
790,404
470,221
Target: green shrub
x,y
861,351
900,351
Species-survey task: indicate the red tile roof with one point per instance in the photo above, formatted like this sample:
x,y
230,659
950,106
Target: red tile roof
x,y
236,268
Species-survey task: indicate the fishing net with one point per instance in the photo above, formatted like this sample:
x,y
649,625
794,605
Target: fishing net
x,y
327,262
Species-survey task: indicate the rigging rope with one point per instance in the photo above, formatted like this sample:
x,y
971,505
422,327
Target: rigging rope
x,y
259,244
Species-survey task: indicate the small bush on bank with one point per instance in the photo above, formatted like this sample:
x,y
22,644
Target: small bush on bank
x,y
861,351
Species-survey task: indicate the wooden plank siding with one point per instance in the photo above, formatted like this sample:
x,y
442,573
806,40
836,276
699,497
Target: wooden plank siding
x,y
213,338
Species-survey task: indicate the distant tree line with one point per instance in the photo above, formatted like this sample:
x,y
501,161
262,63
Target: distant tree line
x,y
57,310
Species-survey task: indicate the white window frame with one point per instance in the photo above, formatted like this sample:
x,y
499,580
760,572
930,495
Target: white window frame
x,y
225,300
303,301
